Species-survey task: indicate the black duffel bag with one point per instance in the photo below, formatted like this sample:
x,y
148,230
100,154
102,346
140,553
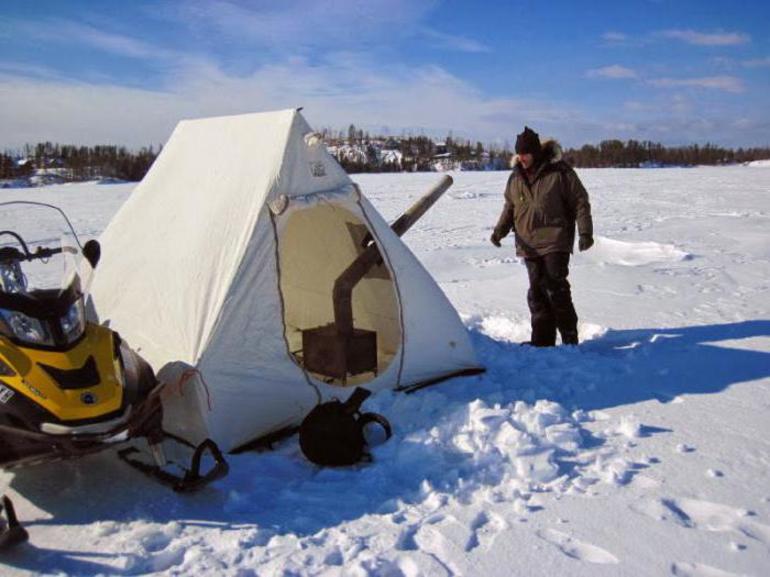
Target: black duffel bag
x,y
332,434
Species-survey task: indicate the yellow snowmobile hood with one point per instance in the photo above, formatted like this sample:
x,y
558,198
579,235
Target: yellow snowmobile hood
x,y
83,382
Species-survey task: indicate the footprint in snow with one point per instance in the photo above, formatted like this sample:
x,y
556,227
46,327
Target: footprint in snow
x,y
405,541
162,560
489,262
699,570
439,542
484,528
168,558
155,541
335,557
706,516
445,541
401,567
576,549
159,549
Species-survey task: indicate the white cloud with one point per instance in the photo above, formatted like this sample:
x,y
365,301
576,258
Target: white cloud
x,y
652,107
614,37
757,63
36,110
676,129
294,24
637,106
345,88
341,24
38,104
60,31
29,70
722,61
452,42
707,39
615,71
109,42
723,83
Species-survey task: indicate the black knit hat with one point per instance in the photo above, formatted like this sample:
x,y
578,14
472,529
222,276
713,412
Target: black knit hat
x,y
528,142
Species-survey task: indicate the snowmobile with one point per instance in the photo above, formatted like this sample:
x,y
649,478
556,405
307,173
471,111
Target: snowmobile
x,y
68,386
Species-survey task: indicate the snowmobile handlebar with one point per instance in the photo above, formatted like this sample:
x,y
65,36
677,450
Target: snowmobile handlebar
x,y
42,253
9,253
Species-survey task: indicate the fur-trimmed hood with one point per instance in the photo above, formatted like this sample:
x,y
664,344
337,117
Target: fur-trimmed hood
x,y
551,152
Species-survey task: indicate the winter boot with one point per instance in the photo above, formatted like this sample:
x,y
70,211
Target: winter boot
x,y
569,338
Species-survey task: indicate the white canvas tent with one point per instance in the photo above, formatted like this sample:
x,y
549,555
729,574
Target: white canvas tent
x,y
228,250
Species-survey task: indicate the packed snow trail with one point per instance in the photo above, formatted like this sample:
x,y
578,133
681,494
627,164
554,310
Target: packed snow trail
x,y
645,451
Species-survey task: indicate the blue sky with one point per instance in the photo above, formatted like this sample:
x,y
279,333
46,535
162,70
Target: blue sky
x,y
674,71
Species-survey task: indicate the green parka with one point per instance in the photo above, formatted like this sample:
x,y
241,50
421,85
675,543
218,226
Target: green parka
x,y
543,212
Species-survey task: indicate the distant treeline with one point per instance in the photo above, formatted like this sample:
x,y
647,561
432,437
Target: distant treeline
x,y
359,152
76,163
422,154
633,153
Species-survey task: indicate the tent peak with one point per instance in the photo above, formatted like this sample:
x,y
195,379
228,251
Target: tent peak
x,y
246,115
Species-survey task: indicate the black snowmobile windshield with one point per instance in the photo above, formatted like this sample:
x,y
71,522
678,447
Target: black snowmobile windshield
x,y
43,276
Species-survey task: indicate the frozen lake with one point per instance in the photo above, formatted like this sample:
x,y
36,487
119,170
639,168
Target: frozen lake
x,y
646,451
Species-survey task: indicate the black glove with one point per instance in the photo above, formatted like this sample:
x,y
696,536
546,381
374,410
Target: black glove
x,y
585,242
495,240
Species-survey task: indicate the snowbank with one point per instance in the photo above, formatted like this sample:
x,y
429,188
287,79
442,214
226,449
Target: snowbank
x,y
618,252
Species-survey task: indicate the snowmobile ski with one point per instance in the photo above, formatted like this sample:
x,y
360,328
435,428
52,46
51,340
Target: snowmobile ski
x,y
11,531
192,479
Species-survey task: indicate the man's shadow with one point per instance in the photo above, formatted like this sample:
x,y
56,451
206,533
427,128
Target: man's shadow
x,y
279,492
642,364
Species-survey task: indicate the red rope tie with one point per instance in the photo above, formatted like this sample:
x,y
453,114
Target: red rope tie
x,y
186,377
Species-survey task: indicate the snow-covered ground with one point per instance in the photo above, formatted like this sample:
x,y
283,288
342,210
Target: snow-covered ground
x,y
645,451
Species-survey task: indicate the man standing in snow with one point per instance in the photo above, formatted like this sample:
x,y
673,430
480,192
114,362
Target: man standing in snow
x,y
544,199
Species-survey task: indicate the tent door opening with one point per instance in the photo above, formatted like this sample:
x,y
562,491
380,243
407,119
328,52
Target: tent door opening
x,y
341,310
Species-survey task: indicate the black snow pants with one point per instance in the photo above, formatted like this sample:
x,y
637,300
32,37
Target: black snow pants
x,y
550,300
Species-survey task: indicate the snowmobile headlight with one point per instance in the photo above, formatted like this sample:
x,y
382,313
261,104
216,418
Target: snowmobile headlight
x,y
27,329
74,322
